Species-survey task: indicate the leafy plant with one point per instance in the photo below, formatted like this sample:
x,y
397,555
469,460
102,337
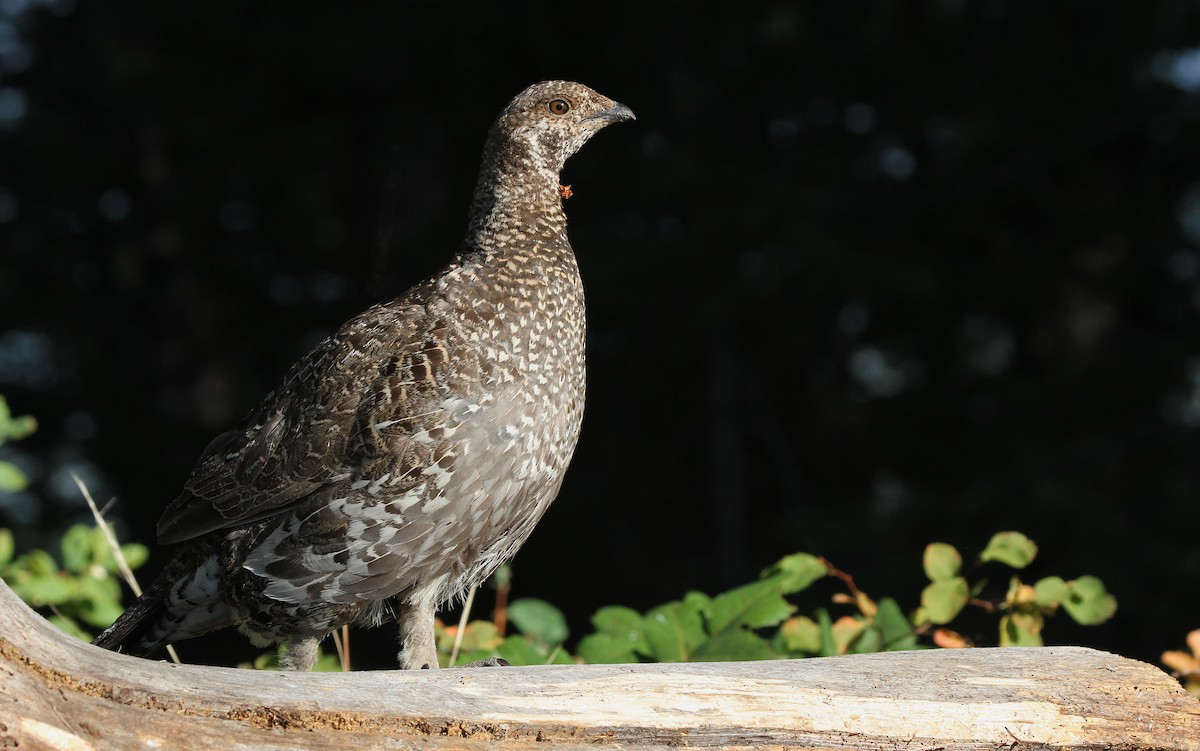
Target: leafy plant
x,y
12,480
541,632
83,590
755,621
1025,607
759,620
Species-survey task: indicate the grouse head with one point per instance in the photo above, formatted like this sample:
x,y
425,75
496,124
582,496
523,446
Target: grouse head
x,y
549,121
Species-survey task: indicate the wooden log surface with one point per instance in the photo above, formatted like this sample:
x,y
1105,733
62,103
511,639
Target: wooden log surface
x,y
58,693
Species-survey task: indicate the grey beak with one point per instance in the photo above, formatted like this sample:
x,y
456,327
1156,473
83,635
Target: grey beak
x,y
615,114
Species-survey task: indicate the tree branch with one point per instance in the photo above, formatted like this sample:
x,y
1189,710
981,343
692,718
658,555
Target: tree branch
x,y
57,692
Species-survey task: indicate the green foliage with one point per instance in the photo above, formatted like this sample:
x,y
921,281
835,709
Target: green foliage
x,y
1025,608
1011,548
759,620
541,631
751,622
619,637
84,590
539,620
81,592
941,561
12,480
7,547
1088,602
942,601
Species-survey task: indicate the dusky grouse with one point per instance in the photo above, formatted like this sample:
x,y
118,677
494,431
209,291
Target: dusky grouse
x,y
411,453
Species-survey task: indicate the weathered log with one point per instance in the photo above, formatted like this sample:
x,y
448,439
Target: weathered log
x,y
56,692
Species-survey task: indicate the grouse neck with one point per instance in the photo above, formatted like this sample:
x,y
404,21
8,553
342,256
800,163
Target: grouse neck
x,y
517,201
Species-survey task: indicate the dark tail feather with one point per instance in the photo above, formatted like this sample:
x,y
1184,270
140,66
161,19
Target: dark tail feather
x,y
184,601
128,633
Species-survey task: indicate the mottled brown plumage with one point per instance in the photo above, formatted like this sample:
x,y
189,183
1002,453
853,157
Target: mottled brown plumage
x,y
411,453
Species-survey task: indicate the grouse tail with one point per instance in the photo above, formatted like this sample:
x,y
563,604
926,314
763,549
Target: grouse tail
x,y
184,602
128,633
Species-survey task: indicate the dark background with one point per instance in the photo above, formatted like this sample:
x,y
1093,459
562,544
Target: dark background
x,y
862,276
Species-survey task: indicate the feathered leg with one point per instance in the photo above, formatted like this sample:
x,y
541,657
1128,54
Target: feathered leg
x,y
418,651
300,653
417,648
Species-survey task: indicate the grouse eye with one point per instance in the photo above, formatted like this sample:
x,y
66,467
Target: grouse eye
x,y
558,106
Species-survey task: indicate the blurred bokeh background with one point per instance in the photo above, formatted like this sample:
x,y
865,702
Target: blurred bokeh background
x,y
862,276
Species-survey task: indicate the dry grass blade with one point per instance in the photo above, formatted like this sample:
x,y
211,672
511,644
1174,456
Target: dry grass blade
x,y
462,626
115,547
341,642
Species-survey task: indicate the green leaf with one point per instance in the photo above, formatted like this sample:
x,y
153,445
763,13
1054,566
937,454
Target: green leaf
x,y
37,563
77,548
102,553
675,630
869,641
12,480
734,645
327,663
1088,602
894,627
619,637
1050,592
480,636
265,661
756,605
538,620
1021,630
825,623
99,600
519,650
697,601
1010,548
941,561
800,634
618,620
943,600
135,554
100,614
14,429
46,589
6,546
99,589
1088,587
846,632
796,572
560,656
606,649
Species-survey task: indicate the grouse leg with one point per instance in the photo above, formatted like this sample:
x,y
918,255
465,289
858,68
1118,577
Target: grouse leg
x,y
417,648
300,654
418,651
